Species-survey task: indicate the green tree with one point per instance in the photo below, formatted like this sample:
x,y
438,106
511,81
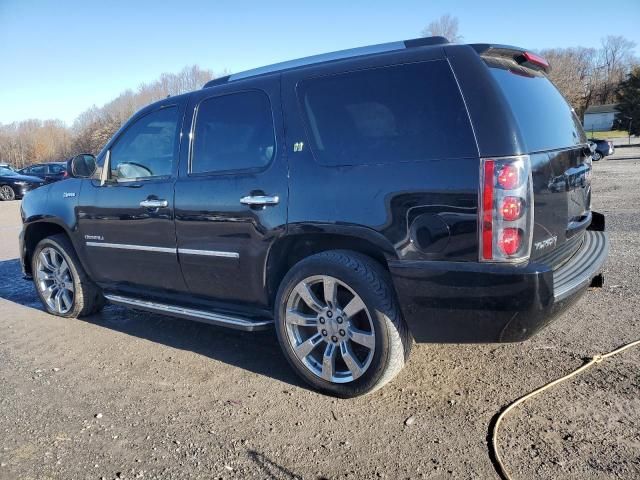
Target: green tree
x,y
629,103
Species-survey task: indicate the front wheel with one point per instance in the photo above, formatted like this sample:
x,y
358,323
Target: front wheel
x,y
62,284
339,324
596,156
7,193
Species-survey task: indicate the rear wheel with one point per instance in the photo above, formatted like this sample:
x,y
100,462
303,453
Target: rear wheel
x,y
596,156
7,193
62,284
339,324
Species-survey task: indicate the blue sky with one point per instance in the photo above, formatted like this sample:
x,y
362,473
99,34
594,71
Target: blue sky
x,y
57,58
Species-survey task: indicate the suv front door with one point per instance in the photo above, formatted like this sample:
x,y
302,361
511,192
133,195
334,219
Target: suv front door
x,y
231,195
126,222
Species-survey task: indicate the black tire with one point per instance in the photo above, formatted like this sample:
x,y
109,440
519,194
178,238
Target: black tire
x,y
369,280
87,297
597,156
7,193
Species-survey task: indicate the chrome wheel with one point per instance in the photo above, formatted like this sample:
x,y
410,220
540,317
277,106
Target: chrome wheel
x,y
7,193
330,329
54,280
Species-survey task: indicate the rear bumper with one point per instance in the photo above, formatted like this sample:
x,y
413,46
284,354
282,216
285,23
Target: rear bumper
x,y
457,302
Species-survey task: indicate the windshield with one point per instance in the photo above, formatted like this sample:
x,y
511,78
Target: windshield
x,y
7,171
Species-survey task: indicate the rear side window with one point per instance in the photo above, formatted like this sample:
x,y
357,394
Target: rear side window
x,y
384,115
545,119
233,132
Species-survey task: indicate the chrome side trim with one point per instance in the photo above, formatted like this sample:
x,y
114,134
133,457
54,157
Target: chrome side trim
x,y
208,253
212,318
124,246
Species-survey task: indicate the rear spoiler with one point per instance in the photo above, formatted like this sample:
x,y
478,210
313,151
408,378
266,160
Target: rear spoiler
x,y
518,55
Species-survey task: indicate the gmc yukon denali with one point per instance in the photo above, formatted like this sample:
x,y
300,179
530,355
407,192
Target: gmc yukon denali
x,y
356,201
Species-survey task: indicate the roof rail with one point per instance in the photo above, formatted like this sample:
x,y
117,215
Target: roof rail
x,y
327,57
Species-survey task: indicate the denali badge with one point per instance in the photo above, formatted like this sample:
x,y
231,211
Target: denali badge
x,y
549,242
94,237
68,194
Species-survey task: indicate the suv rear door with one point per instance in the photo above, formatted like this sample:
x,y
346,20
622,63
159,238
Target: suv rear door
x,y
231,194
127,224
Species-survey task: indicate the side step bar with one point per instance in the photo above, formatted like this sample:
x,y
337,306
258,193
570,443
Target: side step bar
x,y
219,319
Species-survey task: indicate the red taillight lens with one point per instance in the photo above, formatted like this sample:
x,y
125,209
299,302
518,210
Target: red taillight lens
x,y
536,60
509,241
511,208
487,210
505,213
509,177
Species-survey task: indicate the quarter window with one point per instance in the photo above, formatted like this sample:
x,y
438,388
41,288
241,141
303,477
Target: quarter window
x,y
148,148
233,132
386,115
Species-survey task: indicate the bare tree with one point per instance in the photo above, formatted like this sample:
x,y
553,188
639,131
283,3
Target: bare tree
x,y
446,26
615,60
33,141
574,72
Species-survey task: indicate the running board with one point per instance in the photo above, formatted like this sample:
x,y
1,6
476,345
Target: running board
x,y
219,319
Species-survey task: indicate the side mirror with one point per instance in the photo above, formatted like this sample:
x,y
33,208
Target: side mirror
x,y
82,166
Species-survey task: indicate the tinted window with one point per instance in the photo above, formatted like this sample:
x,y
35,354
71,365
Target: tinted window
x,y
233,132
56,169
147,148
392,114
545,118
37,170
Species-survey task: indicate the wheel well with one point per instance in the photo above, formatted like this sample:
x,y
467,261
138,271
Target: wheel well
x,y
34,234
290,250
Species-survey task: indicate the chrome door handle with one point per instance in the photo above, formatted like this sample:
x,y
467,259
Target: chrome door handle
x,y
150,203
260,200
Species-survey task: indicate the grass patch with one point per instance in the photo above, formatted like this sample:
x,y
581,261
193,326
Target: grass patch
x,y
608,135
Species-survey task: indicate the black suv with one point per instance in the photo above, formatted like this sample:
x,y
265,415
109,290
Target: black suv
x,y
355,200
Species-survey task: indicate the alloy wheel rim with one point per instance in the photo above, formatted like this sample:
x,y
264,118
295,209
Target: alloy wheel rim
x,y
330,329
54,280
6,192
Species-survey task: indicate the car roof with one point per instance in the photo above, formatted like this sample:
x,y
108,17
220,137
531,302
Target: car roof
x,y
330,57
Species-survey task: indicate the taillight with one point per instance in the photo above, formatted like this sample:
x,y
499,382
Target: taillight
x,y
536,60
511,208
509,177
510,240
506,209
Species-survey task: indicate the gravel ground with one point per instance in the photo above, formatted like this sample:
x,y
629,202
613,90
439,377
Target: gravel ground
x,y
133,395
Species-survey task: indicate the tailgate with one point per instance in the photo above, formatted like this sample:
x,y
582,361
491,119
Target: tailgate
x,y
562,202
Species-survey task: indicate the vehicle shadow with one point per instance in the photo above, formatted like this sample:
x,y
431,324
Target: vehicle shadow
x,y
257,352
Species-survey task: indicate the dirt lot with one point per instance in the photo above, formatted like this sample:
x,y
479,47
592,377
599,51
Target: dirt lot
x,y
133,395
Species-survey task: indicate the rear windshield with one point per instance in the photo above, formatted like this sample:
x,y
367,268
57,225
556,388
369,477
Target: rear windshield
x,y
385,115
546,120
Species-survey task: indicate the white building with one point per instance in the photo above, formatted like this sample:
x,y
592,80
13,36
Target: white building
x,y
600,117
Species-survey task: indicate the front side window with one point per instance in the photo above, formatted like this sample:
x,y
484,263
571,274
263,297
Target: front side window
x,y
148,148
233,132
55,169
37,170
386,115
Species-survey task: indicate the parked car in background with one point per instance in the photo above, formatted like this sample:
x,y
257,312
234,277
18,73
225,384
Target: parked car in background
x,y
603,148
13,185
49,172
